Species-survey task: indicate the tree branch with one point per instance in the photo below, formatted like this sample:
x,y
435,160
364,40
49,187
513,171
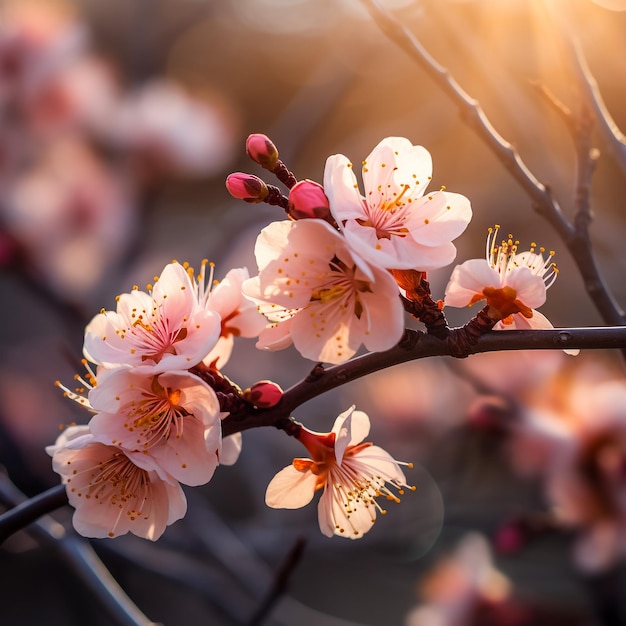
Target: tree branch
x,y
589,86
418,345
414,345
29,511
471,112
78,554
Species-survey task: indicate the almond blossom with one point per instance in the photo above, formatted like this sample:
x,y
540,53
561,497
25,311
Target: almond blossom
x,y
115,491
352,475
394,225
512,283
320,296
169,328
174,417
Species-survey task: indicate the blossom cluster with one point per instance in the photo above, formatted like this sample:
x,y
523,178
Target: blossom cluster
x,y
325,281
157,418
330,279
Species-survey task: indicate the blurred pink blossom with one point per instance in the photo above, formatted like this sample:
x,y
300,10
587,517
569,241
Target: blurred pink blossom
x,y
168,130
72,215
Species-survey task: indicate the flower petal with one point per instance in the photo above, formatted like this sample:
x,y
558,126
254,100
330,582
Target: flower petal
x,y
342,190
469,279
290,489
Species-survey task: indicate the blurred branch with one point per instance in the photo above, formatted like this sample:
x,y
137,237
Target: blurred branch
x,y
210,533
30,510
82,559
577,242
281,582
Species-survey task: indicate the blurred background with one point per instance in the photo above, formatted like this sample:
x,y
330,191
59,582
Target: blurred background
x,y
119,122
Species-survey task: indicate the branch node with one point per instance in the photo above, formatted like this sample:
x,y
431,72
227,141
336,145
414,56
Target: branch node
x,y
316,373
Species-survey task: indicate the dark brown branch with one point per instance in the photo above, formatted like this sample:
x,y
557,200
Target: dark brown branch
x,y
418,345
82,559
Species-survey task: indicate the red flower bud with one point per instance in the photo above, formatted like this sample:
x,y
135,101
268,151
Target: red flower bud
x,y
264,394
261,150
246,187
307,199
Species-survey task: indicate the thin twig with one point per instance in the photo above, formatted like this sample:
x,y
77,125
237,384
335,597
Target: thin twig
x,y
473,114
280,584
614,137
80,557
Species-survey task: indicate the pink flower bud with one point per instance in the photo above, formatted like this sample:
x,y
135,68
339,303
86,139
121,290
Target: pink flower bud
x,y
246,187
262,150
307,199
264,394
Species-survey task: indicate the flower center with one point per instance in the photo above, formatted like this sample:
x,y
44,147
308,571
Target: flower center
x,y
158,417
504,300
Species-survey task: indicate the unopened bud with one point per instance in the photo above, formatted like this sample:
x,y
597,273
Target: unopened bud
x,y
262,150
307,199
264,394
246,187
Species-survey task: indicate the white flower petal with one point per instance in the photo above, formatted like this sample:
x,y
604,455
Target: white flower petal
x,y
290,489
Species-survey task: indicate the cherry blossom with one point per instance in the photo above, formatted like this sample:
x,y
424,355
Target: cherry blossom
x,y
512,283
169,328
320,296
464,587
584,478
352,475
115,491
172,131
240,316
395,225
174,417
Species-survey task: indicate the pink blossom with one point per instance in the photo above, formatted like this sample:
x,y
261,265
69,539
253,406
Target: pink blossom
x,y
169,328
512,283
173,131
320,296
114,491
394,225
174,417
352,475
461,585
246,187
239,316
37,39
72,216
585,477
264,394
